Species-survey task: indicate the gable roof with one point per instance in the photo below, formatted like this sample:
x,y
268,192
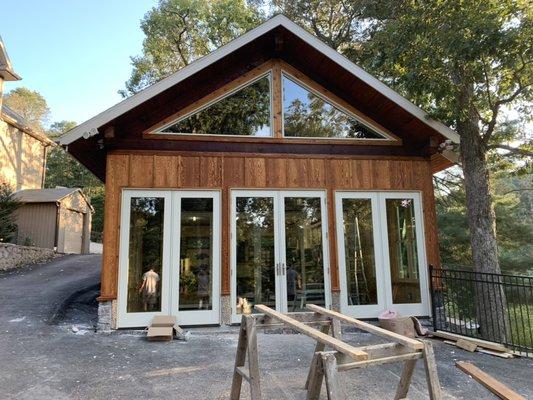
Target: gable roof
x,y
90,127
6,69
52,195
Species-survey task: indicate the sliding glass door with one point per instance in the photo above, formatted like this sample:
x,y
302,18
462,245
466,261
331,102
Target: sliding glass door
x,y
169,262
278,250
381,253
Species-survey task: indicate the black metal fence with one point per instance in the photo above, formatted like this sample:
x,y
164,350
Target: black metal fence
x,y
493,307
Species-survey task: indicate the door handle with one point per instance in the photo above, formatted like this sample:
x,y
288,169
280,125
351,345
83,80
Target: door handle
x,y
284,269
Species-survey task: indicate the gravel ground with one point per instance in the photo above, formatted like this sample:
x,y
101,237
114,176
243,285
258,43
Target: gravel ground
x,y
50,351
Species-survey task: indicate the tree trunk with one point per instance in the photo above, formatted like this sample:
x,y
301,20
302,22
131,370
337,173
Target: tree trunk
x,y
491,303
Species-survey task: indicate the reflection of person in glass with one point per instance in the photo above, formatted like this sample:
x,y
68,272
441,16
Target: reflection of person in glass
x,y
148,289
294,281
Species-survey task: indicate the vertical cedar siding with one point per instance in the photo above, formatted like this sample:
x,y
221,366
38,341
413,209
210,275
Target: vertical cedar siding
x,y
224,172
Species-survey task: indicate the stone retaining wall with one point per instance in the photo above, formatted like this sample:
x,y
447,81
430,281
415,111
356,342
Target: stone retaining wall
x,y
13,256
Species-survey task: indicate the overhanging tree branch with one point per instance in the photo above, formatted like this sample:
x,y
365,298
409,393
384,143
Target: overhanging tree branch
x,y
513,150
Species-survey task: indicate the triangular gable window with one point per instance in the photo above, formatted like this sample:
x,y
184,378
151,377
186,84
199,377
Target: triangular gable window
x,y
306,114
244,112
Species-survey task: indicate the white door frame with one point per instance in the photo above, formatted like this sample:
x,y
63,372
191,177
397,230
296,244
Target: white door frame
x,y
416,309
279,242
381,252
369,310
141,319
170,260
198,317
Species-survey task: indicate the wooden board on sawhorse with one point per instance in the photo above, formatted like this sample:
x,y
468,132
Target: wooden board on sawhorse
x,y
326,365
302,322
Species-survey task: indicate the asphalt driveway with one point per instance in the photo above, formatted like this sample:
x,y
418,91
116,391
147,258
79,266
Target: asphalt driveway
x,y
49,351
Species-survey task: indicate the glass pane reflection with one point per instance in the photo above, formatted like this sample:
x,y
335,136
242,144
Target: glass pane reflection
x,y
304,255
359,252
403,254
145,254
196,254
255,253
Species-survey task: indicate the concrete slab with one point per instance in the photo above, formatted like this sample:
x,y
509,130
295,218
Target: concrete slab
x,y
41,360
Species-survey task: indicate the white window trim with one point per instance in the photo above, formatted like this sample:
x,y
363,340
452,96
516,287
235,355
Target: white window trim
x,y
268,74
386,136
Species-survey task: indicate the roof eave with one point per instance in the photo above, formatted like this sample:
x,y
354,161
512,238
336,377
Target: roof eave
x,y
9,75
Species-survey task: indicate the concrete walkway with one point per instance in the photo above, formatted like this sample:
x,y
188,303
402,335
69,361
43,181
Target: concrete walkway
x,y
43,358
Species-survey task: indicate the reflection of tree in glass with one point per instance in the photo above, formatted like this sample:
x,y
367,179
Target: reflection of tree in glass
x,y
308,115
147,229
255,249
303,236
145,245
246,112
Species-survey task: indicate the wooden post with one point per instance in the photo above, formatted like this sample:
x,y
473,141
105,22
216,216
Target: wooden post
x,y
253,358
318,347
240,358
435,392
247,345
315,377
405,380
334,388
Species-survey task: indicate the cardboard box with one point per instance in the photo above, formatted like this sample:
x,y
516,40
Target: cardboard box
x,y
160,333
163,320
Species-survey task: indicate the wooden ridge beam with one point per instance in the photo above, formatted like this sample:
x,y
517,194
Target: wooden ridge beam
x,y
406,341
332,342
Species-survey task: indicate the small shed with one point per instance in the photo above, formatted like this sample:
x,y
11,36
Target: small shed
x,y
57,219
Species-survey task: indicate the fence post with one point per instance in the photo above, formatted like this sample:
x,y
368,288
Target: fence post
x,y
432,297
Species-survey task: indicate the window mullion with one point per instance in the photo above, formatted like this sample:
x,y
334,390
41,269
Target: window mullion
x,y
277,99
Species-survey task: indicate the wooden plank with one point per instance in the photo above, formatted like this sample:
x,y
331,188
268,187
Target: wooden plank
x,y
380,361
496,353
479,342
336,344
210,172
141,171
165,171
117,177
432,378
495,386
466,345
411,343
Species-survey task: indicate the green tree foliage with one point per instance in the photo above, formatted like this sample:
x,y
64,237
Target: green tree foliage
x,y
513,202
467,62
8,206
31,105
64,170
180,31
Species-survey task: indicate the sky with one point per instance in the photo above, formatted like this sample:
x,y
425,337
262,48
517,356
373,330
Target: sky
x,y
76,53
